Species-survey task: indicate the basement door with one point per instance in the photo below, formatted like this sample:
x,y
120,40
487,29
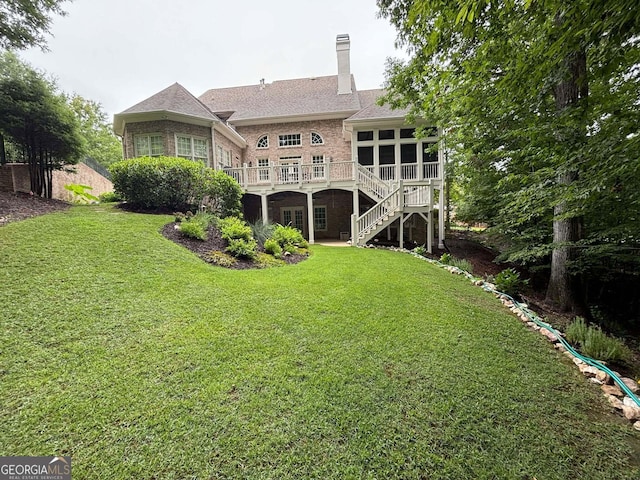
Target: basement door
x,y
293,216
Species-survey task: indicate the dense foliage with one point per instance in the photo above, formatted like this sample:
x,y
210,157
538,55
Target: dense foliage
x,y
101,143
158,182
540,103
222,194
36,123
172,183
240,241
290,239
24,23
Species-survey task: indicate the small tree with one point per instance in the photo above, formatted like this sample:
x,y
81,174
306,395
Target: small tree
x,y
37,122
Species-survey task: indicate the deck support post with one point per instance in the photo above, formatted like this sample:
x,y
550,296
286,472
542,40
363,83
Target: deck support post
x,y
310,217
265,209
441,217
354,230
430,230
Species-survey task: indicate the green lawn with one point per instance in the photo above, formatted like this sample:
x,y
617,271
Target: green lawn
x,y
128,353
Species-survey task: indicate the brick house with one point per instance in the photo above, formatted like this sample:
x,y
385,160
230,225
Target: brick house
x,y
315,153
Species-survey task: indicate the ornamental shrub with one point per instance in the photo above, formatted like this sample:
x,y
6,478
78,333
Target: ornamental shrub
x,y
272,247
261,231
420,250
593,342
289,238
221,194
232,228
193,230
221,259
243,248
508,281
159,182
196,226
264,260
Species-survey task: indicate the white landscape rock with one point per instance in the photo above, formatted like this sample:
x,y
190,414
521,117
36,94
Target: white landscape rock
x,y
588,370
612,390
615,402
603,377
637,426
632,384
631,413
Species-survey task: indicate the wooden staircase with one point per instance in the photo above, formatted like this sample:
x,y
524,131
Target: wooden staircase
x,y
393,200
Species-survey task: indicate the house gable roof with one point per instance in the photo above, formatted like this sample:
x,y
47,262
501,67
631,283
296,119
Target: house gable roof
x,y
175,99
283,98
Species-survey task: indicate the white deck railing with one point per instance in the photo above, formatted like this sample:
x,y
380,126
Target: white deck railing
x,y
372,184
417,196
377,214
333,172
406,171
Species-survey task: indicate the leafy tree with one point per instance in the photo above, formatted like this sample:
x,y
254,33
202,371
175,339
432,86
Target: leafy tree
x,y
102,145
37,121
23,23
540,97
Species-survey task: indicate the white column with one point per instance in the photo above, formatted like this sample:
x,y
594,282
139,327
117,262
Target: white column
x,y
354,230
310,217
356,202
401,231
265,209
430,231
441,217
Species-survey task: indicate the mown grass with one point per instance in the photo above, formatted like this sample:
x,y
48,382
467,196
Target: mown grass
x,y
128,353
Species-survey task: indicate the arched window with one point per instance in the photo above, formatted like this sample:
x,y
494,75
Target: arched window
x,y
316,139
263,142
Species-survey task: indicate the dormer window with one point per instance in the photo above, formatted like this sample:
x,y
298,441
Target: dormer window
x,y
316,139
263,142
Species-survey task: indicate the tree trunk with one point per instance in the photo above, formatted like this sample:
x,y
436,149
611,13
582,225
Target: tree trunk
x,y
3,153
563,291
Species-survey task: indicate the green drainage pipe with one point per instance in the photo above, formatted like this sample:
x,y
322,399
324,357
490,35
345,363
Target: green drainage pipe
x,y
534,318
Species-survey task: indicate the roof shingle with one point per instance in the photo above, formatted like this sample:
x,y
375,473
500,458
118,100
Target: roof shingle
x,y
304,96
176,99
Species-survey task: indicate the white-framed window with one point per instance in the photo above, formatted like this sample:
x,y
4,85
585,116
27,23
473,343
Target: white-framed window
x,y
148,145
193,148
226,158
263,142
289,140
318,166
320,218
219,155
263,169
316,139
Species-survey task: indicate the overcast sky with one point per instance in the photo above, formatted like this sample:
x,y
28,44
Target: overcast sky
x,y
119,52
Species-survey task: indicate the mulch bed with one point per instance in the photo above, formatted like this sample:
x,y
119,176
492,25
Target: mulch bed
x,y
18,206
215,242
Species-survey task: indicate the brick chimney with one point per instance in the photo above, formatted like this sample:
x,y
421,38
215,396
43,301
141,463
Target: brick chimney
x,y
344,68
